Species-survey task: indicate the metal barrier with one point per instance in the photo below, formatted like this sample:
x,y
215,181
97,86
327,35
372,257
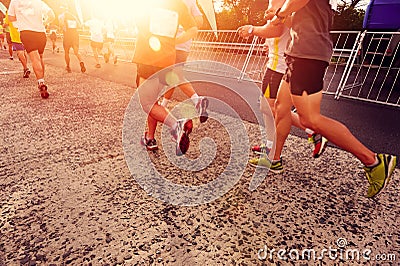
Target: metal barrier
x,y
375,78
364,65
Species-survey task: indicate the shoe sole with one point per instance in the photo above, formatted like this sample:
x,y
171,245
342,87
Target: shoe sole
x,y
266,167
324,144
204,114
149,148
184,141
391,166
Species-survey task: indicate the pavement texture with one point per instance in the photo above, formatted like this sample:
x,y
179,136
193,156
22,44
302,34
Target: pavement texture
x,y
67,196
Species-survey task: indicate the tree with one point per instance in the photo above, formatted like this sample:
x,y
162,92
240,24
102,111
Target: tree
x,y
349,16
235,13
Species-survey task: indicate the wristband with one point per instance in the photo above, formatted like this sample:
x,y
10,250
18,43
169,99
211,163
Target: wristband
x,y
280,18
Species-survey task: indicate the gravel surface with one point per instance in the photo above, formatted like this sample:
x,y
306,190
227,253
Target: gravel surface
x,y
67,196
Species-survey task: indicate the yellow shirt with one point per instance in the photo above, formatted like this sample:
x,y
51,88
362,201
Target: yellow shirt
x,y
14,33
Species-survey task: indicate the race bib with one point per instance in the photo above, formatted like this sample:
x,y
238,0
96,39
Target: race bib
x,y
164,23
71,24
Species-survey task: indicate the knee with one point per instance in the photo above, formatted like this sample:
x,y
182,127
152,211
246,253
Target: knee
x,y
309,121
281,109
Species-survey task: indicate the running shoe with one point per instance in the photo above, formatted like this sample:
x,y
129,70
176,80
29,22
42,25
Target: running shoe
x,y
83,68
43,91
181,135
264,162
201,108
115,59
68,69
27,72
97,66
379,175
261,149
150,144
11,58
319,142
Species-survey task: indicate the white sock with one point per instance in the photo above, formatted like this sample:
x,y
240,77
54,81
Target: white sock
x,y
195,98
309,131
269,144
40,81
164,102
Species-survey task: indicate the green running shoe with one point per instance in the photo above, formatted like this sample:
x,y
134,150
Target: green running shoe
x,y
263,162
379,176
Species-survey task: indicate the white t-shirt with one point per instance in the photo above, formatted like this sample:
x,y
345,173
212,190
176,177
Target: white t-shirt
x,y
29,14
96,30
276,51
195,11
110,28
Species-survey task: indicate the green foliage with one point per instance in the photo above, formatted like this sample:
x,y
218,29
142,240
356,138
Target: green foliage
x,y
240,12
348,19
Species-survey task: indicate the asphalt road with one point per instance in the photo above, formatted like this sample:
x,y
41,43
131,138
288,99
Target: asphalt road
x,y
375,125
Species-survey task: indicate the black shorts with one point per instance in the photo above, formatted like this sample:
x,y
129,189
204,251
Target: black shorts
x,y
181,56
98,45
305,75
146,71
270,83
71,39
33,40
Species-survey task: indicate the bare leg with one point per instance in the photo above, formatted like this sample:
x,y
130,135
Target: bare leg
x,y
66,57
22,59
308,108
96,55
283,117
76,53
148,99
37,64
10,50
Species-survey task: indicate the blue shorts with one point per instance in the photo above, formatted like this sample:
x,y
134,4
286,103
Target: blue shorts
x,y
18,46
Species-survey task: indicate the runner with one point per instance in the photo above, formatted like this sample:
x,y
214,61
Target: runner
x,y
182,53
109,41
311,20
18,47
53,37
32,29
70,24
157,24
8,39
2,35
276,67
96,29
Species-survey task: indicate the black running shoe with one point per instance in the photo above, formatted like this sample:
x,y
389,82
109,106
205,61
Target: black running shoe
x,y
150,144
83,68
43,91
27,72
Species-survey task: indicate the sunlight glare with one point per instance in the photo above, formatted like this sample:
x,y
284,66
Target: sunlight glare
x,y
155,43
